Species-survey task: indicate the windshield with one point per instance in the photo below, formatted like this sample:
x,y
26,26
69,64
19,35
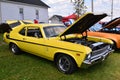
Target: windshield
x,y
112,30
96,27
53,31
12,25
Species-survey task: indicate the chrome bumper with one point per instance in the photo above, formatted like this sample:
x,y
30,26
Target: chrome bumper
x,y
98,58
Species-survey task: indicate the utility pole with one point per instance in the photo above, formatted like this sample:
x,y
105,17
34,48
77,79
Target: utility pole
x,y
111,9
92,6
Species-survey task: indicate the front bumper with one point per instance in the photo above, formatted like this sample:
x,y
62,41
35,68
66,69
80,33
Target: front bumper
x,y
98,57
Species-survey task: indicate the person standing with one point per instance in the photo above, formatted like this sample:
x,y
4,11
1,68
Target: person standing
x,y
36,21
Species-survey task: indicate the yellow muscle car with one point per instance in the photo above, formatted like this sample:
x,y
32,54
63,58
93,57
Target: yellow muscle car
x,y
67,47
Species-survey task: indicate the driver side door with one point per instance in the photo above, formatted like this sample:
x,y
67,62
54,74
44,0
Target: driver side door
x,y
33,41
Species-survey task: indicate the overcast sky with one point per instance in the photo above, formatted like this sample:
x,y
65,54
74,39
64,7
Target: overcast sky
x,y
65,7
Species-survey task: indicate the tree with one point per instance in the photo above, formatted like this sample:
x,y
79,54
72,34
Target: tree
x,y
79,7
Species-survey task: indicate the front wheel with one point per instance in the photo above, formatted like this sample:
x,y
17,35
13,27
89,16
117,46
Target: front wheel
x,y
14,48
65,64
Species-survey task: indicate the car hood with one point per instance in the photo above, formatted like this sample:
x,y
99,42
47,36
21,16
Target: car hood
x,y
83,23
113,23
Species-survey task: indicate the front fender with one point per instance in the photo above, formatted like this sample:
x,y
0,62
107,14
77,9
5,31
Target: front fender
x,y
77,56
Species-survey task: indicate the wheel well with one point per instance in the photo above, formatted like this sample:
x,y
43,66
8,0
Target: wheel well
x,y
11,44
114,44
57,54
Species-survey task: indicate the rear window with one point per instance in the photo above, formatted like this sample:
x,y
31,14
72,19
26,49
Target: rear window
x,y
14,24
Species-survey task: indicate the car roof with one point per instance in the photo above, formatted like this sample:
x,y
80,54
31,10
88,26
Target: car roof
x,y
44,25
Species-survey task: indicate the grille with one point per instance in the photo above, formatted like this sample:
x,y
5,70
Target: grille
x,y
104,49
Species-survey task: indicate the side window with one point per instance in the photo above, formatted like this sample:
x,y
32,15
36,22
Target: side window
x,y
34,32
22,32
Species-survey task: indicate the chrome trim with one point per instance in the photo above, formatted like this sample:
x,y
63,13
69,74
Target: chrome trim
x,y
98,57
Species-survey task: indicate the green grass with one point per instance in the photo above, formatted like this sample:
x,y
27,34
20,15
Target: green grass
x,y
30,67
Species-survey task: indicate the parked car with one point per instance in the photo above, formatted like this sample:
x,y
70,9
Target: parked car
x,y
110,30
61,44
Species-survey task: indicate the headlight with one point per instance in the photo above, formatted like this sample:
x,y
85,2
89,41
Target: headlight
x,y
88,56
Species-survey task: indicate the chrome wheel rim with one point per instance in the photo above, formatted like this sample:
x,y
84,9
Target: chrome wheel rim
x,y
13,47
64,64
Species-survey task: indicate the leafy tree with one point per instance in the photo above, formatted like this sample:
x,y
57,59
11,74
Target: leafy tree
x,y
79,7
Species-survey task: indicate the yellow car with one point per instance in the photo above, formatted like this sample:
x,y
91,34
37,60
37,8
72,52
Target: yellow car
x,y
67,47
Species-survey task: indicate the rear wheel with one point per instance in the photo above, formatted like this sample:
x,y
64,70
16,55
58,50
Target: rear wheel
x,y
65,64
14,48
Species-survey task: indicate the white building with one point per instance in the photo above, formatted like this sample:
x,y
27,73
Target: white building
x,y
23,10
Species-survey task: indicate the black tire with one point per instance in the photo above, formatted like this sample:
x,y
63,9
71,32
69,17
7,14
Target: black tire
x,y
65,64
114,45
14,49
